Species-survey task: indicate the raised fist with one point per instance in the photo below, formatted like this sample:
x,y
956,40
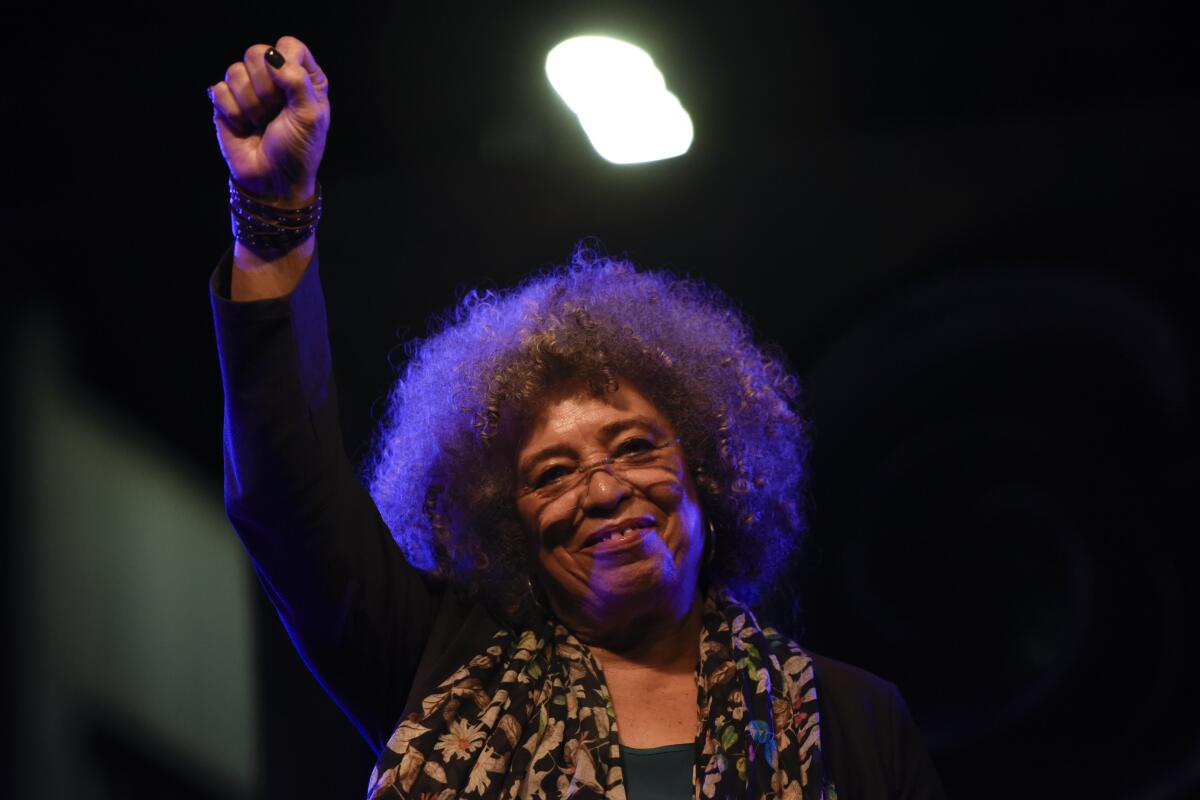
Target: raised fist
x,y
272,115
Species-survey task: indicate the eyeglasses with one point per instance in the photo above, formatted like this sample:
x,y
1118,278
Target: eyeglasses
x,y
631,457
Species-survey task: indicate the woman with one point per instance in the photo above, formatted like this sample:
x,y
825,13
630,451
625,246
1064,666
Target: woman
x,y
581,474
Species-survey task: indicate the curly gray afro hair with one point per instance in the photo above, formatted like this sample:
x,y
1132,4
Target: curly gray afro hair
x,y
442,468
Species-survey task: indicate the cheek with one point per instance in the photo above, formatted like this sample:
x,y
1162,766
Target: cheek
x,y
667,495
678,498
526,514
672,492
546,525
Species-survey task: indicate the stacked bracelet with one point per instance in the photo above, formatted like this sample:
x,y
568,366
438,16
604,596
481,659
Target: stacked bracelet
x,y
267,230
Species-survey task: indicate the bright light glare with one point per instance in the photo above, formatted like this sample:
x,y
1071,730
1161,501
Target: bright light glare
x,y
620,98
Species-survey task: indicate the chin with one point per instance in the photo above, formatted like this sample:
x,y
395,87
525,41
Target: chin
x,y
637,590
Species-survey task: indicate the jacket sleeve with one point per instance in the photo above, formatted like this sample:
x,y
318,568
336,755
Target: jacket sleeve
x,y
357,612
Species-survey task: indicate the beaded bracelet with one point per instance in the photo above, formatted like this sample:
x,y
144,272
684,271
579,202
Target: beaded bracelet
x,y
267,230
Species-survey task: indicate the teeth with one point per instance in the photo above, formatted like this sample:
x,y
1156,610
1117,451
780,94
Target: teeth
x,y
620,534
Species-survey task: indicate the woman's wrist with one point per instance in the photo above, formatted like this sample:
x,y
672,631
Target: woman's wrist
x,y
290,199
256,277
271,229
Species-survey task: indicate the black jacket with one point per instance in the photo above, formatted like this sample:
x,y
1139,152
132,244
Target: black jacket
x,y
380,635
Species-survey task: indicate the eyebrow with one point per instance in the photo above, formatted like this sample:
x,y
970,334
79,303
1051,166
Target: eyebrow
x,y
607,433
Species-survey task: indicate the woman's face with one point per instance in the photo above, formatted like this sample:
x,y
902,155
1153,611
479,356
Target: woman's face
x,y
620,539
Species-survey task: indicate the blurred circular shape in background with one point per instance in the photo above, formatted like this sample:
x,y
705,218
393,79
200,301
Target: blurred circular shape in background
x,y
994,459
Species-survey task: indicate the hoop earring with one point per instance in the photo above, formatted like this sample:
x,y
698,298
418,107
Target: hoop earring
x,y
534,596
710,543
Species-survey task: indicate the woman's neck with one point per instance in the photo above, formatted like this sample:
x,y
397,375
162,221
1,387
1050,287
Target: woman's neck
x,y
652,682
658,645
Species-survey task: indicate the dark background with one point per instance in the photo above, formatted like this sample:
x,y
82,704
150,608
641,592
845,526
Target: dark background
x,y
970,226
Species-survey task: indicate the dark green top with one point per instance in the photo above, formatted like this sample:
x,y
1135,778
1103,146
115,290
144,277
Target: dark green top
x,y
658,773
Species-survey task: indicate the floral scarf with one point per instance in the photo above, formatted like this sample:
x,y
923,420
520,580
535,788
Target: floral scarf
x,y
530,717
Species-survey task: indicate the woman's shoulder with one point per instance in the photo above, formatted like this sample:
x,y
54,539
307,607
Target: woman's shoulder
x,y
857,704
870,743
850,684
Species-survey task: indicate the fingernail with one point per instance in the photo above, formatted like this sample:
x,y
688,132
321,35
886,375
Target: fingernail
x,y
274,58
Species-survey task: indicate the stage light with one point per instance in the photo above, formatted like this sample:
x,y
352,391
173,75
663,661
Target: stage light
x,y
620,98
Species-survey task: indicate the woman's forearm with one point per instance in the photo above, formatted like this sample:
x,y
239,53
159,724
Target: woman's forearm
x,y
256,278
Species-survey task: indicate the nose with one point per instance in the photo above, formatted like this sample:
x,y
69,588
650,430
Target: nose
x,y
603,490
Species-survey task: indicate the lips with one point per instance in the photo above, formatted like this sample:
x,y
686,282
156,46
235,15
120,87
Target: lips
x,y
617,532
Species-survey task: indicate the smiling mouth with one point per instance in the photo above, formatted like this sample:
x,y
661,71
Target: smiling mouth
x,y
619,531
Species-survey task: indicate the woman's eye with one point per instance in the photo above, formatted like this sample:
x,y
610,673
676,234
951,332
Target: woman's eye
x,y
549,476
634,447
